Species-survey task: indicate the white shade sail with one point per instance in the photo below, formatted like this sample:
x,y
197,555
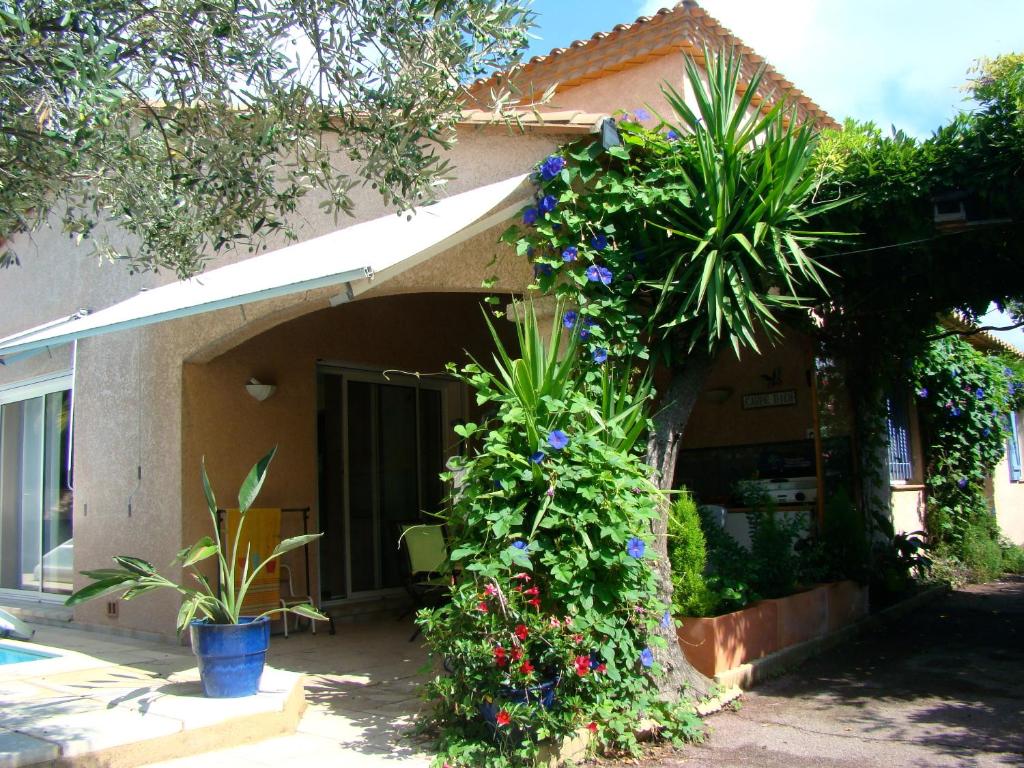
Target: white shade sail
x,y
371,251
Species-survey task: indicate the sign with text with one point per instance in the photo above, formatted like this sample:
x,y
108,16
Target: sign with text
x,y
769,399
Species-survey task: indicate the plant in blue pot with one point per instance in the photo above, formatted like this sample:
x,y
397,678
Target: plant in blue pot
x,y
230,648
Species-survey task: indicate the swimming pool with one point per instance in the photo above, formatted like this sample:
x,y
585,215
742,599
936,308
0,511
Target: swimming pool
x,y
10,655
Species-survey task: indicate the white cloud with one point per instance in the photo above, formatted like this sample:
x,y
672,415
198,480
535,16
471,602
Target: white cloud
x,y
892,61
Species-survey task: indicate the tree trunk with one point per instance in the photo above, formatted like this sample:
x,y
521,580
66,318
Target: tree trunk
x,y
670,419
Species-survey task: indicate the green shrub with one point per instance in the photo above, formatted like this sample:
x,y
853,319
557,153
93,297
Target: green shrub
x,y
844,537
728,572
1013,557
982,554
687,551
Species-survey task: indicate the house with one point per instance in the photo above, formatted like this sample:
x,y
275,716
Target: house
x,y
114,387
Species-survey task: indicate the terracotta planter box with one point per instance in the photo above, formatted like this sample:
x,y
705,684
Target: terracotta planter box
x,y
847,602
718,643
715,644
802,616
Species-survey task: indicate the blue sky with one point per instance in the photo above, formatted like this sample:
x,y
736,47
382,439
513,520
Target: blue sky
x,y
895,62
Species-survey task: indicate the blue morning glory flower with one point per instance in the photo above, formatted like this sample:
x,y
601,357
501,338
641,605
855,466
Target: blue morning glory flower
x,y
599,241
551,167
647,658
530,216
596,274
979,393
635,547
672,136
922,392
585,330
557,439
569,254
955,411
548,203
1007,372
519,544
1013,388
962,482
569,319
642,114
600,354
986,432
666,620
538,457
543,269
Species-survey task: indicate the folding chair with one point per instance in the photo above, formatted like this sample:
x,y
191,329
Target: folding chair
x,y
429,569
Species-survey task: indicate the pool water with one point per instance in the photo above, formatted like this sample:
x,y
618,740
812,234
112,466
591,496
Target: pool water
x,y
9,655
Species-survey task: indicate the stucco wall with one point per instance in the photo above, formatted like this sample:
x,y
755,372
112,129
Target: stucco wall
x,y
1008,498
907,508
715,424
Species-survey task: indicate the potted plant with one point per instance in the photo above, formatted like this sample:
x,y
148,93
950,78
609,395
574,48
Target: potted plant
x,y
230,648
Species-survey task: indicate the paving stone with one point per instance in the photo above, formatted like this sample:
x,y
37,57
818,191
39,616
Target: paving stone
x,y
80,733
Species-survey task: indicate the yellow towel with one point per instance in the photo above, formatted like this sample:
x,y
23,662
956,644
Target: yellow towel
x,y
262,532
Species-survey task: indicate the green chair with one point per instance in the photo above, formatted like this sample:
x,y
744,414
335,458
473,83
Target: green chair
x,y
429,571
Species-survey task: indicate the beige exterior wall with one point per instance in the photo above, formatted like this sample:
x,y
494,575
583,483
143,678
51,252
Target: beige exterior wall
x,y
1008,498
908,508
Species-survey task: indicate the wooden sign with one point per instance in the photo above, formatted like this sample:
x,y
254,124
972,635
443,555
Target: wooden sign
x,y
769,399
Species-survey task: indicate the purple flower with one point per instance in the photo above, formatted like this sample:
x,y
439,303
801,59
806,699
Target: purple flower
x,y
543,269
550,492
635,547
552,167
569,254
671,135
666,620
588,324
530,216
642,114
922,392
557,439
596,274
599,241
986,432
647,658
569,319
1013,388
538,457
962,482
548,203
955,411
600,354
979,393
519,544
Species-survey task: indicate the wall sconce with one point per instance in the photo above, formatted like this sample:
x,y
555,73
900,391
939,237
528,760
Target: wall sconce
x,y
259,392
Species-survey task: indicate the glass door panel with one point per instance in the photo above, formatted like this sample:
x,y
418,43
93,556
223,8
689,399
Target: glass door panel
x,y
361,485
399,474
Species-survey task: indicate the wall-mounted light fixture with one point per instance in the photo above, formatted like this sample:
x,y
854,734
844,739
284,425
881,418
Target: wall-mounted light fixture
x,y
258,390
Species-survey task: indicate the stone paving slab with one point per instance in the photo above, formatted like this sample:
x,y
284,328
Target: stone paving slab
x,y
17,749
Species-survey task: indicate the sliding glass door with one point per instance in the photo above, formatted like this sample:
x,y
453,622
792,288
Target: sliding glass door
x,y
381,449
36,545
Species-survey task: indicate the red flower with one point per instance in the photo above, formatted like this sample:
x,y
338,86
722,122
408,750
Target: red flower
x,y
555,623
577,639
582,665
592,727
482,607
499,656
532,591
490,590
522,631
517,654
522,576
526,667
602,668
503,718
535,602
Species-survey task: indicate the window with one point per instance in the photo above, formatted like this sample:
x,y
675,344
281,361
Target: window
x,y
898,426
36,546
1013,447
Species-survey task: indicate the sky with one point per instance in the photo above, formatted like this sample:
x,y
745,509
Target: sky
x,y
895,62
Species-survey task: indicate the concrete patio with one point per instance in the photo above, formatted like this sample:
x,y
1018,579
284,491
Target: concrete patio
x,y
126,702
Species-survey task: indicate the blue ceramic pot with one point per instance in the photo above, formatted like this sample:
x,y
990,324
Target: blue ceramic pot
x,y
542,694
231,656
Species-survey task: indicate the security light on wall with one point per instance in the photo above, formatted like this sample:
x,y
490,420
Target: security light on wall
x,y
258,390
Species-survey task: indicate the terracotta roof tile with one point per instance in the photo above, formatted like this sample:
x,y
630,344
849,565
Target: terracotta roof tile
x,y
685,27
565,121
